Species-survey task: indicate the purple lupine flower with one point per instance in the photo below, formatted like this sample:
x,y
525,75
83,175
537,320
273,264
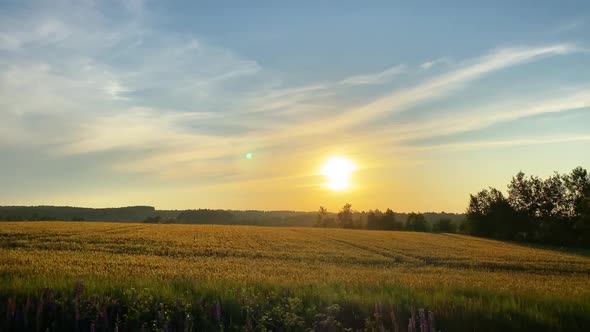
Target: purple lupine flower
x,y
423,321
412,323
218,311
431,321
249,322
11,310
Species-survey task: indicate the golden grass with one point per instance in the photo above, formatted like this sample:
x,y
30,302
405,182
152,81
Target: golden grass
x,y
287,256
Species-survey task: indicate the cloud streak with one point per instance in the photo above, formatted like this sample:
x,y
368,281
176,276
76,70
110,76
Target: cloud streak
x,y
437,87
446,83
429,64
469,119
491,144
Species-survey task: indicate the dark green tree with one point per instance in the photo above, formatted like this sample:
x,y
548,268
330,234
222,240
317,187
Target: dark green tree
x,y
578,192
389,222
345,216
554,210
490,214
444,225
374,219
322,217
416,222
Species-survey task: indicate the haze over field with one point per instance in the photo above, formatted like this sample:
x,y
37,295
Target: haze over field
x,y
115,103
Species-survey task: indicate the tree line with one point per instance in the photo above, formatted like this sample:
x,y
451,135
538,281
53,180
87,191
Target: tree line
x,y
51,213
555,210
149,214
385,221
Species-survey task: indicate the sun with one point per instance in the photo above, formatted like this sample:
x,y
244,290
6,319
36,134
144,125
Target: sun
x,y
338,171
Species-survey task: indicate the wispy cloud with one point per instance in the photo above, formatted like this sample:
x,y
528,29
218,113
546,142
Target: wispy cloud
x,y
289,100
490,144
436,87
139,129
41,77
429,64
374,78
472,119
179,106
446,83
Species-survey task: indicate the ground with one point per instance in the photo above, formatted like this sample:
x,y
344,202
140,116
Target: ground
x,y
456,277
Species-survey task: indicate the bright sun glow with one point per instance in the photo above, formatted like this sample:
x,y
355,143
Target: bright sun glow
x,y
338,171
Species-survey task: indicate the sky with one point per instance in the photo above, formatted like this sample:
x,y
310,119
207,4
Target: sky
x,y
130,102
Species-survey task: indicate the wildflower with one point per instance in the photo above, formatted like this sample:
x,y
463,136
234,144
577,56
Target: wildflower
x,y
423,321
10,313
412,322
431,322
218,311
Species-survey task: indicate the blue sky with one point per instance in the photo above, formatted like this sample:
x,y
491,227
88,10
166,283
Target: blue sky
x,y
113,103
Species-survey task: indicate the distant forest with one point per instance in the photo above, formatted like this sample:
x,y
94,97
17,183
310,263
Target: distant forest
x,y
148,214
390,221
554,211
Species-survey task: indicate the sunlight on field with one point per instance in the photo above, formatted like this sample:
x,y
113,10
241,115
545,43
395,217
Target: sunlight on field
x,y
287,255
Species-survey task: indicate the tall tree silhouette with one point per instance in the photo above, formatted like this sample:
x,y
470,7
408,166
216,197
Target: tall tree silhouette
x,y
416,222
345,216
554,210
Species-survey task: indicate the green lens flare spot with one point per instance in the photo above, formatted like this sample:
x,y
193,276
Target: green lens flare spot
x,y
248,155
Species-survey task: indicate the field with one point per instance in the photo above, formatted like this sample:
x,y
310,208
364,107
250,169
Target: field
x,y
262,278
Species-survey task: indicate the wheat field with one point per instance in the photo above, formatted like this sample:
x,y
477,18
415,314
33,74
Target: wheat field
x,y
449,274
